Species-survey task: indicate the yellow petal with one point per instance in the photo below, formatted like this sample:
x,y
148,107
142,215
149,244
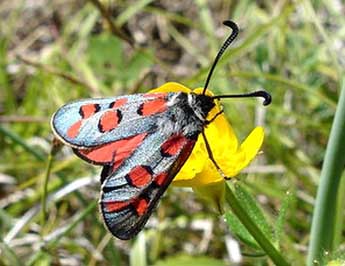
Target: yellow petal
x,y
230,161
171,87
245,154
252,144
221,136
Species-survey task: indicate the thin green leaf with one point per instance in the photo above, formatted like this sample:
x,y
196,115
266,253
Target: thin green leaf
x,y
281,219
253,210
238,229
253,229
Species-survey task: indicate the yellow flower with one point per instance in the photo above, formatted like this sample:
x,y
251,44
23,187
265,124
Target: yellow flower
x,y
199,172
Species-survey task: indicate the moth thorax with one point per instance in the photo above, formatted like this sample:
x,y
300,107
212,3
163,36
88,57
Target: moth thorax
x,y
201,105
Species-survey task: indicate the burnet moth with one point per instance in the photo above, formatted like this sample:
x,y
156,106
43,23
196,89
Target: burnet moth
x,y
142,141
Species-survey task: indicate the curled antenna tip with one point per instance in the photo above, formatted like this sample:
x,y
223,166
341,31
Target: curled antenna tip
x,y
267,97
230,24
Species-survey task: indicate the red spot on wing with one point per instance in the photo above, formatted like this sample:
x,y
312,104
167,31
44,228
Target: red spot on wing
x,y
118,103
127,147
88,110
85,111
114,206
140,205
73,131
109,120
114,152
161,178
152,107
140,176
173,145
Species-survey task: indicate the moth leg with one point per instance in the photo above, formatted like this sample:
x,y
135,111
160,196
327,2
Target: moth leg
x,y
210,154
213,118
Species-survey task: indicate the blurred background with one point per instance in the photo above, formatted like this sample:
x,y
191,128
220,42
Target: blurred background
x,y
53,52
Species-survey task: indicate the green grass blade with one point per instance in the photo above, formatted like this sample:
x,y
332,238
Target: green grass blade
x,y
75,221
207,21
8,256
138,252
21,142
339,220
45,190
310,12
131,11
323,224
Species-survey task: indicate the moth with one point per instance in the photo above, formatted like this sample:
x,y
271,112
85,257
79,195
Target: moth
x,y
142,141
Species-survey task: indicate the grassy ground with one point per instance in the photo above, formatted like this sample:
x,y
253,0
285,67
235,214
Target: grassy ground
x,y
52,52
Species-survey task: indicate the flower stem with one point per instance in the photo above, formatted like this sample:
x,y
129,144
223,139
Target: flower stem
x,y
45,191
56,145
253,229
324,218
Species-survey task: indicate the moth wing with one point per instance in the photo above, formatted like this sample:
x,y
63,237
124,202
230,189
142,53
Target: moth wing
x,y
112,153
130,194
88,123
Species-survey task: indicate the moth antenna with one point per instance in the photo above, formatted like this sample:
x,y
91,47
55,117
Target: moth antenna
x,y
261,93
226,44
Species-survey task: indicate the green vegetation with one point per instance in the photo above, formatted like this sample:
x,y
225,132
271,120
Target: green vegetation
x,y
53,52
